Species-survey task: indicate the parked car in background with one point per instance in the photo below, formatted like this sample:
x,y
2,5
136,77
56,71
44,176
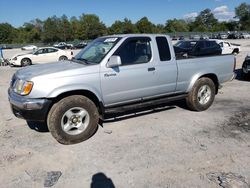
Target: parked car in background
x,y
29,47
245,36
213,36
174,37
63,45
222,36
80,45
197,48
184,46
204,37
195,37
42,55
181,38
246,67
233,36
5,46
228,48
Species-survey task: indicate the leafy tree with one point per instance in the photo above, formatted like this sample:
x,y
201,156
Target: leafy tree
x,y
51,31
243,13
75,26
91,27
204,21
159,28
144,26
123,27
7,33
232,25
176,26
65,29
220,26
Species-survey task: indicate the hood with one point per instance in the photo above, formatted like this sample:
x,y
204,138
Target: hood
x,y
32,71
22,54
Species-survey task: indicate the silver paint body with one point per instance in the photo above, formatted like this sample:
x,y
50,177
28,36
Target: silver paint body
x,y
124,84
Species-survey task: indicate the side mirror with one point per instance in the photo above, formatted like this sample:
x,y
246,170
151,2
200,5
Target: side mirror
x,y
114,61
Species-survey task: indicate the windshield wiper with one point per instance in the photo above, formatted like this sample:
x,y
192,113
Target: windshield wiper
x,y
80,60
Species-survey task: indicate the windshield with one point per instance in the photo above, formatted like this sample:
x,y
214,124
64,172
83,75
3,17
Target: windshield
x,y
97,50
185,44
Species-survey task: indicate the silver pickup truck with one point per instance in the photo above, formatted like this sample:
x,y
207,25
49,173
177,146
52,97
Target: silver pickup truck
x,y
113,74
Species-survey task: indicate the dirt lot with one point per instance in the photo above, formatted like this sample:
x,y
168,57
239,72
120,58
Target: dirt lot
x,y
165,147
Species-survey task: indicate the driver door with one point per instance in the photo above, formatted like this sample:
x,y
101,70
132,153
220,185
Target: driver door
x,y
134,78
40,56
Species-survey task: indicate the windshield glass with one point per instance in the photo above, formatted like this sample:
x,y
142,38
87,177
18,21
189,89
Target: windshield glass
x,y
185,44
97,50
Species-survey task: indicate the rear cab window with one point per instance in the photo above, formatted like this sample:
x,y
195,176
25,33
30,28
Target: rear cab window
x,y
163,48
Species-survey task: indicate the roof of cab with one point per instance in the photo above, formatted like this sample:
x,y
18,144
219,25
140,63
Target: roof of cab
x,y
135,35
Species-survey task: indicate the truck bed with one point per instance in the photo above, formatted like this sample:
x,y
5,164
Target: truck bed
x,y
198,65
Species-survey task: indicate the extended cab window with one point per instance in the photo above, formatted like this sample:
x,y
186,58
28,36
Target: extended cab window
x,y
135,51
163,48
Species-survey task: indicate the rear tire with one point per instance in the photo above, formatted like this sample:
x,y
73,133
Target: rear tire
x,y
202,95
25,62
63,58
73,119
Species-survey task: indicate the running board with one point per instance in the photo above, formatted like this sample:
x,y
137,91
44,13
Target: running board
x,y
143,104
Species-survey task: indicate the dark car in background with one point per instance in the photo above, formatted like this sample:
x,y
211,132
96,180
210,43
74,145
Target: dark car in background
x,y
233,36
197,48
246,67
80,45
63,45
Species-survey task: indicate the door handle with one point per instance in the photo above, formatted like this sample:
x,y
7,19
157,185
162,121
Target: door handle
x,y
151,69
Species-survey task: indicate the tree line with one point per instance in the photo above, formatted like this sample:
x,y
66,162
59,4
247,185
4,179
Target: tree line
x,y
89,26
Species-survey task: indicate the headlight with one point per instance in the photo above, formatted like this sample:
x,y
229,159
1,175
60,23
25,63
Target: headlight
x,y
15,58
23,87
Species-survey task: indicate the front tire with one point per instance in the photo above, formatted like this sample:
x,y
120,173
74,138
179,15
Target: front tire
x,y
202,95
25,62
73,119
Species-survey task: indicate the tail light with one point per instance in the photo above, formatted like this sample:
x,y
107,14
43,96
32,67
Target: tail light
x,y
72,53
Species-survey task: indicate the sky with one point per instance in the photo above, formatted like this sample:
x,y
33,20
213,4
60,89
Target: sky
x,y
17,12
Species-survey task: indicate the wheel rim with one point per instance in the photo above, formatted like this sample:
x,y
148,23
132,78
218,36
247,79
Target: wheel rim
x,y
204,94
244,69
75,121
25,62
63,58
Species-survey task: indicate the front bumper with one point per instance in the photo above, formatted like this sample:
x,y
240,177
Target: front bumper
x,y
29,109
14,63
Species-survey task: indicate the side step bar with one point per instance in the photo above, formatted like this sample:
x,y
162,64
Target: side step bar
x,y
142,104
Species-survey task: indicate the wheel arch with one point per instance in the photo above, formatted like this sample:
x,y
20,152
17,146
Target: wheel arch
x,y
87,93
65,56
26,58
212,76
236,50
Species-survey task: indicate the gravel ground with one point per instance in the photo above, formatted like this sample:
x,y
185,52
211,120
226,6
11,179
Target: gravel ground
x,y
164,147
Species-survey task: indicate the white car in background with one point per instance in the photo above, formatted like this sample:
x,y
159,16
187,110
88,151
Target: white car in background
x,y
228,48
41,55
29,47
245,35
